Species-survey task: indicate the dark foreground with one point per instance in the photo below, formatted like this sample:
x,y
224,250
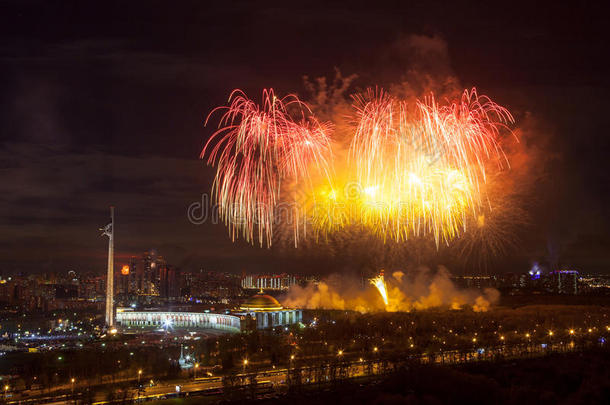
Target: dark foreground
x,y
573,378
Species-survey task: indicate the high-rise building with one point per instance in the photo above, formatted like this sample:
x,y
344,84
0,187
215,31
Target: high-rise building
x,y
268,282
565,281
149,267
169,281
132,287
123,280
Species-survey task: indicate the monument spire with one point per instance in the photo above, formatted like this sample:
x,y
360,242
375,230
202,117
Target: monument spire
x,y
109,231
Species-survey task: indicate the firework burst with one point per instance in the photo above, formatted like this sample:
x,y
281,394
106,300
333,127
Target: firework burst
x,y
413,169
256,150
420,171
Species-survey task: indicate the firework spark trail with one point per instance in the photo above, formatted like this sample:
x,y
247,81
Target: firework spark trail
x,y
256,150
413,169
379,283
420,172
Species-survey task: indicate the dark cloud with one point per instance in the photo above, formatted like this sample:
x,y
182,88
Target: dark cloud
x,y
103,104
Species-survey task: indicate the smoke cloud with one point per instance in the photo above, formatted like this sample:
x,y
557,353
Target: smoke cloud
x,y
418,290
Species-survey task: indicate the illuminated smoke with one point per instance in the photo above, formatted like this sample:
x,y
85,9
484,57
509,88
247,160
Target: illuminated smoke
x,y
419,290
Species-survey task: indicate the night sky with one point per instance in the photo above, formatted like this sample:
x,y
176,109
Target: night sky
x,y
102,104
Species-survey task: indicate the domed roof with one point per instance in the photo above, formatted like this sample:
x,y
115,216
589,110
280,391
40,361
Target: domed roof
x,y
261,302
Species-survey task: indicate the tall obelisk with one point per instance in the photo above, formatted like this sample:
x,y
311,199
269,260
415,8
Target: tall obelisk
x,y
109,231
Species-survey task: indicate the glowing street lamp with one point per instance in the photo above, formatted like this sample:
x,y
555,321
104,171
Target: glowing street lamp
x,y
571,331
139,376
196,367
245,364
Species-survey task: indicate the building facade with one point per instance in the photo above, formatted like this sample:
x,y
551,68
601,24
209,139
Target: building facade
x,y
268,312
264,310
268,282
128,319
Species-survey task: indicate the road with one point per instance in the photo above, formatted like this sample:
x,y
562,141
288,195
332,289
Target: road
x,y
278,380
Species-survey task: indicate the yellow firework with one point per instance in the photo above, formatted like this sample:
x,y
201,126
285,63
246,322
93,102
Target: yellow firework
x,y
412,169
379,283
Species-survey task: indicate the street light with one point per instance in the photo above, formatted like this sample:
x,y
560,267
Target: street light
x,y
245,364
139,375
6,388
196,367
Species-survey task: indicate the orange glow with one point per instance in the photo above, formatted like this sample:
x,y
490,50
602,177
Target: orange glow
x,y
125,270
412,168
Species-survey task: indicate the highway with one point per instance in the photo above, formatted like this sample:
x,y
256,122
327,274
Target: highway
x,y
277,380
